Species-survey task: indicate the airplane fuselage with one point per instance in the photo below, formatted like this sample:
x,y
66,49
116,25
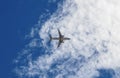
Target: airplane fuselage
x,y
61,39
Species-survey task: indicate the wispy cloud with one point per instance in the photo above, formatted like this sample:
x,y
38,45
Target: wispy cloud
x,y
93,27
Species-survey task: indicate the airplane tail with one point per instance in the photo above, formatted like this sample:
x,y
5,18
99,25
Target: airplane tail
x,y
50,37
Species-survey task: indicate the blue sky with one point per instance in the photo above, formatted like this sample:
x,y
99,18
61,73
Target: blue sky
x,y
16,19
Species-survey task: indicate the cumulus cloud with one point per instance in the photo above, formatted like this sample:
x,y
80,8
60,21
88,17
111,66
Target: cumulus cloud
x,y
93,27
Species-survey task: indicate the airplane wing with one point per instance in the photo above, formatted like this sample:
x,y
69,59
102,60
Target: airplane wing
x,y
59,33
59,44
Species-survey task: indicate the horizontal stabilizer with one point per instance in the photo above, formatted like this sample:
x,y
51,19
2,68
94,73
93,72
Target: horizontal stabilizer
x,y
50,37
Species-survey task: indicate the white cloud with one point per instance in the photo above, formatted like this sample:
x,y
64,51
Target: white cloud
x,y
94,27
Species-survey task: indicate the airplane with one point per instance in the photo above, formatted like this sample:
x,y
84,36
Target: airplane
x,y
61,38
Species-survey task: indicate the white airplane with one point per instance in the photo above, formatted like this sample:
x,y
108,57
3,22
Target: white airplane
x,y
61,38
